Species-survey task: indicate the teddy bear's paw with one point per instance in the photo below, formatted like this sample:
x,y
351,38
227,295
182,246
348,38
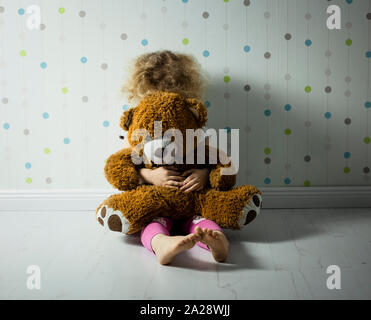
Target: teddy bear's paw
x,y
112,220
252,210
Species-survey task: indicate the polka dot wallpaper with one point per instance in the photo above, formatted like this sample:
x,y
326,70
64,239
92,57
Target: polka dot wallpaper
x,y
298,92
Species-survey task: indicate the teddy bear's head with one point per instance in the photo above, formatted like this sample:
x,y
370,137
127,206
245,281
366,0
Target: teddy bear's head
x,y
159,119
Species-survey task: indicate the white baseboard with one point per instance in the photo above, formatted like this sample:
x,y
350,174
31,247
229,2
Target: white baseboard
x,y
88,200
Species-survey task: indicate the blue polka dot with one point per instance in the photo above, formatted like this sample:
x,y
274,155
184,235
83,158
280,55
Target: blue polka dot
x,y
105,123
6,125
368,104
84,59
21,11
328,115
267,180
206,53
125,107
246,48
228,129
349,1
28,165
66,140
308,43
184,1
346,155
287,181
207,104
46,115
144,42
288,107
368,54
43,65
267,112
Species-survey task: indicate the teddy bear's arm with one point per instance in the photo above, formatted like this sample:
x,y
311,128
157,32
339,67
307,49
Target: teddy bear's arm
x,y
218,180
120,170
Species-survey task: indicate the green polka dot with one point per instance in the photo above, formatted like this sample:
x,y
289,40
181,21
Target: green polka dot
x,y
23,53
61,10
267,150
47,151
29,180
348,42
185,41
346,170
64,90
367,140
287,131
306,183
226,0
227,79
308,89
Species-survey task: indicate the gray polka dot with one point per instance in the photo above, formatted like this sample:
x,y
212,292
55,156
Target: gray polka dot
x,y
48,180
104,66
288,36
163,9
246,3
347,93
366,170
287,76
328,89
227,95
5,100
267,96
267,160
348,25
328,72
328,53
26,132
368,16
103,26
348,79
308,16
348,121
226,70
267,15
84,99
307,124
226,26
184,24
307,158
247,87
267,55
205,14
42,26
267,87
82,13
2,9
123,36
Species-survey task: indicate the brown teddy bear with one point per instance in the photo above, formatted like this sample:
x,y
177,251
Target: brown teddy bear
x,y
131,210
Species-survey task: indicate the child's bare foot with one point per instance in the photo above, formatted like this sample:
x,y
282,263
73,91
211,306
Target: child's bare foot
x,y
167,247
216,241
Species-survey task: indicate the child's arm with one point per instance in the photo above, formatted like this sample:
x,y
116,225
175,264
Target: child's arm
x,y
162,176
196,180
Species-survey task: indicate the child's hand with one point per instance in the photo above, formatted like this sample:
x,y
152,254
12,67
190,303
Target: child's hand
x,y
196,180
162,176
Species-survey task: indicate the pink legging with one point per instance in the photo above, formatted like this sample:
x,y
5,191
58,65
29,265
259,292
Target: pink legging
x,y
163,226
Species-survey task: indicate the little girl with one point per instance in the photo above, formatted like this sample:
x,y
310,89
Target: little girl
x,y
179,73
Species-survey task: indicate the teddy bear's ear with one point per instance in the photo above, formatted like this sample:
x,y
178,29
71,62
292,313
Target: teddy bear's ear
x,y
126,118
199,111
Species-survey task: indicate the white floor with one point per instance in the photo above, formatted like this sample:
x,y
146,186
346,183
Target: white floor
x,y
282,255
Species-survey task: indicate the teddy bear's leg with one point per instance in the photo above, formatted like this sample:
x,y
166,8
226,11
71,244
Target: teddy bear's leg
x,y
130,211
232,209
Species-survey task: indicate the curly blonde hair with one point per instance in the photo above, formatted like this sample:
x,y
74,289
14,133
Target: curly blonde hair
x,y
166,71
